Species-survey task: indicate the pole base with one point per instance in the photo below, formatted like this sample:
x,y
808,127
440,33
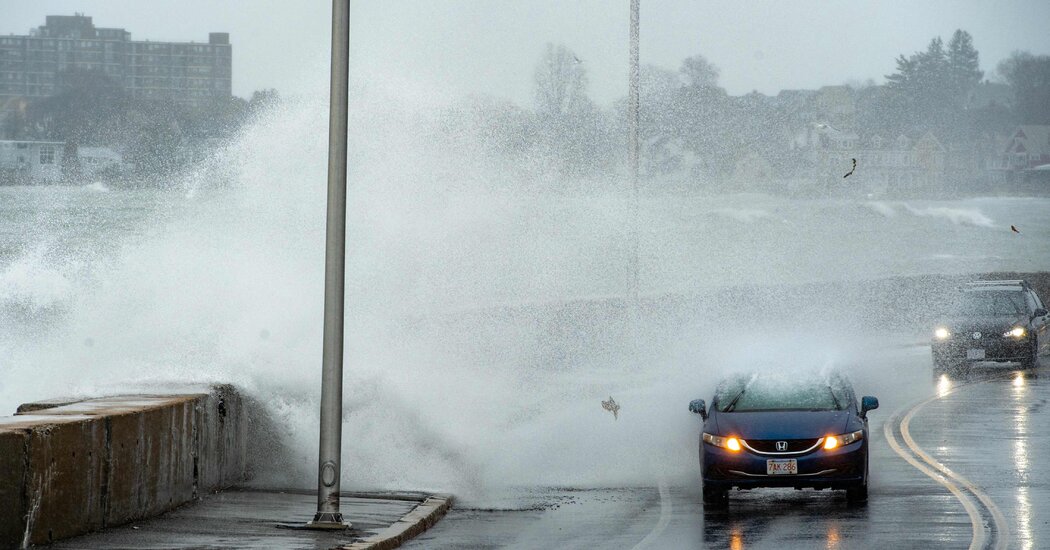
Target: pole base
x,y
328,521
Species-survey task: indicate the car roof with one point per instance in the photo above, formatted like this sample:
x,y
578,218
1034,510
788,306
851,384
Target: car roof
x,y
829,378
1010,285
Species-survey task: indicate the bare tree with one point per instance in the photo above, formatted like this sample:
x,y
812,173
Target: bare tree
x,y
561,82
700,72
1029,76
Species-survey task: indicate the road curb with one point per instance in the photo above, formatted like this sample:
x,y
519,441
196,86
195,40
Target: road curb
x,y
420,519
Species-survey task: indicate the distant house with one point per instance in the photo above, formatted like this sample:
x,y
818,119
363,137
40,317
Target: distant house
x,y
989,94
901,165
795,98
821,135
29,162
94,161
837,105
1026,148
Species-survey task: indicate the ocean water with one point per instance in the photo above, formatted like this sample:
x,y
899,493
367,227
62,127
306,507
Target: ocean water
x,y
464,371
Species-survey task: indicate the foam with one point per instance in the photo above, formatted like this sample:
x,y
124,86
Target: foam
x,y
958,216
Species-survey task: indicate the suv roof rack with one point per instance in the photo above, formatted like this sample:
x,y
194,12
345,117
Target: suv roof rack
x,y
1000,282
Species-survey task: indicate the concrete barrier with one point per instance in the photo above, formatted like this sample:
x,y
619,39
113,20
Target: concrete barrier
x,y
71,467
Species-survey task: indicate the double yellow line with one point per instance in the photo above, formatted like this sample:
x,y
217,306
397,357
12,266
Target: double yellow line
x,y
964,490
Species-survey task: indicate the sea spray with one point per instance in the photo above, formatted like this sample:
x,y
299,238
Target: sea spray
x,y
487,301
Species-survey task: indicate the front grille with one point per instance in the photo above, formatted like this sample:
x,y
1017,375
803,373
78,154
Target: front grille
x,y
770,445
984,335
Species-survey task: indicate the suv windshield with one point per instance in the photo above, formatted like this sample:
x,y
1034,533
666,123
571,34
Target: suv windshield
x,y
991,303
779,394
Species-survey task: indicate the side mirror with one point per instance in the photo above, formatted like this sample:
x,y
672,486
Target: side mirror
x,y
699,407
868,403
1041,312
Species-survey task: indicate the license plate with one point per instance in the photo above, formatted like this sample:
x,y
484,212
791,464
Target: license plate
x,y
975,354
781,466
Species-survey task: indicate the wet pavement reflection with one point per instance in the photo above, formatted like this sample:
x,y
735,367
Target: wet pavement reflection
x,y
993,430
983,425
761,518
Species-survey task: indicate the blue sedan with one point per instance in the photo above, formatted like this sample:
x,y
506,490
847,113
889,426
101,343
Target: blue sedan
x,y
774,431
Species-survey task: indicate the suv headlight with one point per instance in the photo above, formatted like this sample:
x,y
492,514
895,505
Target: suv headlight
x,y
1016,332
731,443
941,333
835,441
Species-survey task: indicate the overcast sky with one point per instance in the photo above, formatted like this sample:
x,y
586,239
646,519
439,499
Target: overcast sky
x,y
491,47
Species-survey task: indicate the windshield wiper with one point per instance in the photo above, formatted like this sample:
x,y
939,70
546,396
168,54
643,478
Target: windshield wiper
x,y
838,406
732,404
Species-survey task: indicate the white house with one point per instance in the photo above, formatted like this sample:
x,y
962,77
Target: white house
x,y
1027,148
25,162
901,165
93,160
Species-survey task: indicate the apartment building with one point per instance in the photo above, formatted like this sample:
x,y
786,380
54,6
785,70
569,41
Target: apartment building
x,y
34,65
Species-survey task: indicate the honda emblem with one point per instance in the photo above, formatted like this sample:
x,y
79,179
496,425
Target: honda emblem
x,y
782,445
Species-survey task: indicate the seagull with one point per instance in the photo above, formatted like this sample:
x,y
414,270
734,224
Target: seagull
x,y
612,405
851,170
577,60
1014,229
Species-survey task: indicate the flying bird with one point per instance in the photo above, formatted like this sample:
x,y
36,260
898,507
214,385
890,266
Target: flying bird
x,y
577,60
612,406
851,170
1014,229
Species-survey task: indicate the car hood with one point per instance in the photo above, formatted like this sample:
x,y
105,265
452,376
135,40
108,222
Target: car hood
x,y
781,424
985,324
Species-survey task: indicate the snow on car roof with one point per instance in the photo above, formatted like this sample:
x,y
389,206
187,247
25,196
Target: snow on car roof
x,y
1014,285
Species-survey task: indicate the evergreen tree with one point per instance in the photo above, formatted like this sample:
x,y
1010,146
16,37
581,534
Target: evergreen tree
x,y
903,80
963,65
931,86
934,77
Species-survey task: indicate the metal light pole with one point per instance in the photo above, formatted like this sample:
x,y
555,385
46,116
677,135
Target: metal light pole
x,y
328,515
632,148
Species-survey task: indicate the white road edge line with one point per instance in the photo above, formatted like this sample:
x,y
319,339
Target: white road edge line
x,y
1001,525
665,517
979,532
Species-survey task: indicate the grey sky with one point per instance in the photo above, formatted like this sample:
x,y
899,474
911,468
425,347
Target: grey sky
x,y
491,47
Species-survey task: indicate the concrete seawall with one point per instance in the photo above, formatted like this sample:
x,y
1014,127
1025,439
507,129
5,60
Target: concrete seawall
x,y
68,468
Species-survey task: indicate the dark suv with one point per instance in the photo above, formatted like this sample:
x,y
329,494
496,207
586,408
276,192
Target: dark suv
x,y
992,321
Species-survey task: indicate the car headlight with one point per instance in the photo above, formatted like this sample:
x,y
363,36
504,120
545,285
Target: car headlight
x,y
731,443
1016,332
835,441
941,333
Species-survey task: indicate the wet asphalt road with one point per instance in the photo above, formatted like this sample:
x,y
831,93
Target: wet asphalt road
x,y
989,430
249,519
984,437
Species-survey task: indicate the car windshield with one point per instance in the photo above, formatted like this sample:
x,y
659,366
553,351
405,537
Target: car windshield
x,y
991,303
781,394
